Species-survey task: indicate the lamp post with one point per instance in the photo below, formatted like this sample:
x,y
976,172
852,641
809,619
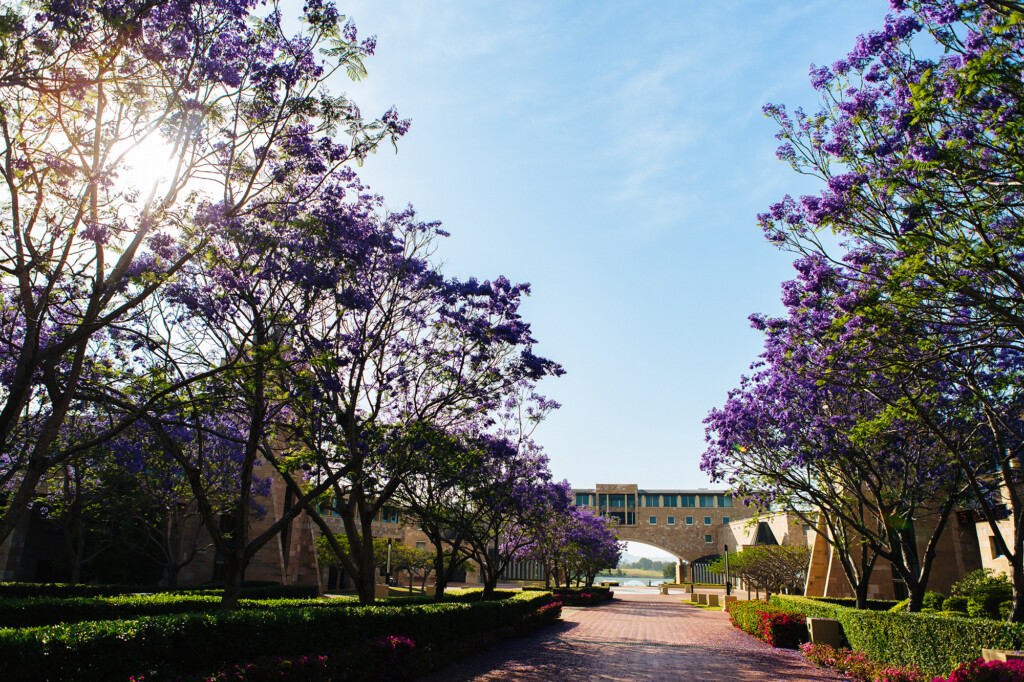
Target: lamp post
x,y
728,584
387,571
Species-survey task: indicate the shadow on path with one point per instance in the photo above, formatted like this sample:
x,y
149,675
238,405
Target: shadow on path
x,y
636,637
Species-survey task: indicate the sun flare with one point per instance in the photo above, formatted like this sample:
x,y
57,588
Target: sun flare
x,y
147,165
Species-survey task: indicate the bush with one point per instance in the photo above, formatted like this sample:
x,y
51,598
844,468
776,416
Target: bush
x,y
857,665
934,644
932,600
958,604
577,596
900,606
782,629
980,670
255,589
40,611
779,627
871,604
967,585
151,647
985,600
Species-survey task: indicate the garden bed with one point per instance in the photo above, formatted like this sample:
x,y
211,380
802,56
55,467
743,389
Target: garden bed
x,y
933,643
151,647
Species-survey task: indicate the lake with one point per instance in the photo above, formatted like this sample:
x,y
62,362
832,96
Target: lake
x,y
631,581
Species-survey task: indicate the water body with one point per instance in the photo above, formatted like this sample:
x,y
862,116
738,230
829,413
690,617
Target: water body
x,y
626,580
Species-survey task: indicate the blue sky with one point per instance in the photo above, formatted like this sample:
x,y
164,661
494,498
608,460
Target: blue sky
x,y
614,155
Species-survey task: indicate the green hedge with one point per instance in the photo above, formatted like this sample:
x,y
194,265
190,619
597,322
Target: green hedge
x,y
778,626
40,611
250,590
871,604
160,647
577,596
933,643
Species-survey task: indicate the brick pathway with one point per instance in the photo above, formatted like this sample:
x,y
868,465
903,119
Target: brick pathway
x,y
638,636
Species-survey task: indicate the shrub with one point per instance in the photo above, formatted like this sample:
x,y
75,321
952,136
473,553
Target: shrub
x,y
577,596
256,589
782,629
871,604
857,665
985,600
955,604
779,627
900,606
312,668
40,611
932,600
934,644
152,646
744,615
980,670
967,585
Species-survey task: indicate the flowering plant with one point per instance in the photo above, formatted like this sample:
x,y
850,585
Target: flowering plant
x,y
987,671
857,665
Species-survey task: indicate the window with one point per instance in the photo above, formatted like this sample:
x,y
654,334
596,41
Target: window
x,y
421,545
686,501
707,520
618,516
707,500
651,500
631,501
724,501
604,500
689,520
996,553
807,529
582,499
725,519
707,538
671,520
617,501
668,500
653,521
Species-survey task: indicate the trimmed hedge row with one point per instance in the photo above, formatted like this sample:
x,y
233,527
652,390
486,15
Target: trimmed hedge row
x,y
40,611
777,626
872,604
933,643
160,647
250,590
577,596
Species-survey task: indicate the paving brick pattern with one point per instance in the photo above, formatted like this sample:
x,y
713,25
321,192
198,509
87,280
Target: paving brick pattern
x,y
639,636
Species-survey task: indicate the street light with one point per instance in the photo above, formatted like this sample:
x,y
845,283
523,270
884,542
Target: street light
x,y
728,585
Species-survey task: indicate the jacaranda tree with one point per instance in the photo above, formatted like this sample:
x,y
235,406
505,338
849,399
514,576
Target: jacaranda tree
x,y
918,143
229,107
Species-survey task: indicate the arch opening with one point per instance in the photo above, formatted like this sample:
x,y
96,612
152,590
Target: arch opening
x,y
645,564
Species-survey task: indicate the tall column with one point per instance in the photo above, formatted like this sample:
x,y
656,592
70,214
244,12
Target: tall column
x,y
680,572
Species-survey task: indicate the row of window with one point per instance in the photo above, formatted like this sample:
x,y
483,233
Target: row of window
x,y
630,501
385,515
671,520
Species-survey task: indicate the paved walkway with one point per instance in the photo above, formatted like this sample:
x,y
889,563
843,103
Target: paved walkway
x,y
641,635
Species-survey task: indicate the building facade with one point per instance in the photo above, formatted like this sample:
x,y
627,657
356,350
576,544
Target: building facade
x,y
690,524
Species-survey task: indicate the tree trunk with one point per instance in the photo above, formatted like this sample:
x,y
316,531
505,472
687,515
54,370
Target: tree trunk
x,y
235,574
442,573
915,598
1017,610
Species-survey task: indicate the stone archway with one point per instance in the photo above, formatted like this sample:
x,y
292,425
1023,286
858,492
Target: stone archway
x,y
681,562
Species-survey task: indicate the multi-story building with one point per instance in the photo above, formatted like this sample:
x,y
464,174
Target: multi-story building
x,y
690,524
